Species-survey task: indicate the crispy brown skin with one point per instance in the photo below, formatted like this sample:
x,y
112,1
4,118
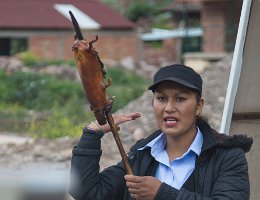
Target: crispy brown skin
x,y
92,76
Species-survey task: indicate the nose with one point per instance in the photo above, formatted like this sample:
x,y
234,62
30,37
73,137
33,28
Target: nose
x,y
170,107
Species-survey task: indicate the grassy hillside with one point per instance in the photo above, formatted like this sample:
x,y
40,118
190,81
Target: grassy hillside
x,y
52,107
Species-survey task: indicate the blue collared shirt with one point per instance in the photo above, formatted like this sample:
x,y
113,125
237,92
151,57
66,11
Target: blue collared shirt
x,y
177,171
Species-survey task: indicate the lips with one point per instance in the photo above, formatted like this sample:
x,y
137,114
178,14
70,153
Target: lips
x,y
170,120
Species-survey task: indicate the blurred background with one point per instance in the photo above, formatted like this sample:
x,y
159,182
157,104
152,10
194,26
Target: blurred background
x,y
42,104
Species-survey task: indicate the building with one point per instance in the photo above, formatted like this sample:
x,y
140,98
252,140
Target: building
x,y
208,30
44,28
218,18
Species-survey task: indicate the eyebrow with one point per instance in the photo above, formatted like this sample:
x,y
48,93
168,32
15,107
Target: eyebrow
x,y
177,93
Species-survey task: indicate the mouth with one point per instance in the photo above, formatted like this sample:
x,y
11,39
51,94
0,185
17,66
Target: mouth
x,y
170,121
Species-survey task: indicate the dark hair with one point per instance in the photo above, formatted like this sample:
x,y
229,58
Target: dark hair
x,y
201,119
198,97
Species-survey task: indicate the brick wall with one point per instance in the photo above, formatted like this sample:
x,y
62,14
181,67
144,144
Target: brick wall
x,y
113,45
117,45
216,18
44,46
213,22
167,52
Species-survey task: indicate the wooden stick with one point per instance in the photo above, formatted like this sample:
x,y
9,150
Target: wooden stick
x,y
112,125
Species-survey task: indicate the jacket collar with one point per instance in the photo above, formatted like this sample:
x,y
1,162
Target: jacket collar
x,y
211,139
143,142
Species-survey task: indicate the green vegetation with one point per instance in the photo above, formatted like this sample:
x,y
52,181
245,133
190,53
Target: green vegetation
x,y
13,117
59,62
58,124
164,21
28,58
154,44
38,92
12,111
125,87
140,9
137,9
31,60
57,107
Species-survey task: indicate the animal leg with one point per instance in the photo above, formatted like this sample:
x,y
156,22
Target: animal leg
x,y
92,41
75,46
108,83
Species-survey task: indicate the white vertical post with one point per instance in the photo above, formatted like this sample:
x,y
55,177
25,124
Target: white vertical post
x,y
235,67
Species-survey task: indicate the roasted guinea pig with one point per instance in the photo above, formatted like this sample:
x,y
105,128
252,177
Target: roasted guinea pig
x,y
92,74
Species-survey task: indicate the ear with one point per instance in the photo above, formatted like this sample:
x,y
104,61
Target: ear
x,y
200,106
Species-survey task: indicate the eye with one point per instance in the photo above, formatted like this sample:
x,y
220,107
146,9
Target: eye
x,y
161,98
180,99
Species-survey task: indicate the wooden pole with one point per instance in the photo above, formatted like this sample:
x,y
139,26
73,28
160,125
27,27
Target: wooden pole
x,y
112,125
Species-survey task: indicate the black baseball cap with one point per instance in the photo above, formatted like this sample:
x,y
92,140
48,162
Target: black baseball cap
x,y
180,74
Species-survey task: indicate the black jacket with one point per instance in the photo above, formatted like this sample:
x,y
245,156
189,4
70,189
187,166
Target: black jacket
x,y
221,171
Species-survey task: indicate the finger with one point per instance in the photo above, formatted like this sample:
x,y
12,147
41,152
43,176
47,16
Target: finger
x,y
121,118
137,196
132,178
135,115
132,116
134,196
134,190
132,187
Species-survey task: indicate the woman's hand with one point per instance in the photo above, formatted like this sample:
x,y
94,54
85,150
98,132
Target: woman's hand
x,y
121,118
118,119
142,187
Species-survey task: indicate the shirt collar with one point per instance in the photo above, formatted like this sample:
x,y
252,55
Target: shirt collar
x,y
197,143
158,143
153,143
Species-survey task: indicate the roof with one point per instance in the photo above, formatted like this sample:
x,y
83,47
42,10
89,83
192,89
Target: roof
x,y
196,1
162,34
44,14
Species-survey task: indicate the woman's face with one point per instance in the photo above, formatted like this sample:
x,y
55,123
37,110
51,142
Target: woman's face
x,y
175,108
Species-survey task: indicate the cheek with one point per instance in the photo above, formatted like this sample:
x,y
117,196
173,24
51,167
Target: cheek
x,y
158,109
155,107
189,111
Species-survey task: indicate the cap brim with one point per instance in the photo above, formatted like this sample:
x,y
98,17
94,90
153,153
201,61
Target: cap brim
x,y
180,81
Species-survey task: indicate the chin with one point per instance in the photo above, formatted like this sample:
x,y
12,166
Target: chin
x,y
170,131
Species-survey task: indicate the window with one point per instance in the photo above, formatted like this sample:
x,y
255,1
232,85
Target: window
x,y
11,46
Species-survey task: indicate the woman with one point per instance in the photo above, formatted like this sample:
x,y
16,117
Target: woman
x,y
185,159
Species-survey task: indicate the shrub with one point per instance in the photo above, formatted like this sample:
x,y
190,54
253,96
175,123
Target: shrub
x,y
56,125
64,99
125,87
139,9
13,111
28,58
70,62
14,118
38,92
